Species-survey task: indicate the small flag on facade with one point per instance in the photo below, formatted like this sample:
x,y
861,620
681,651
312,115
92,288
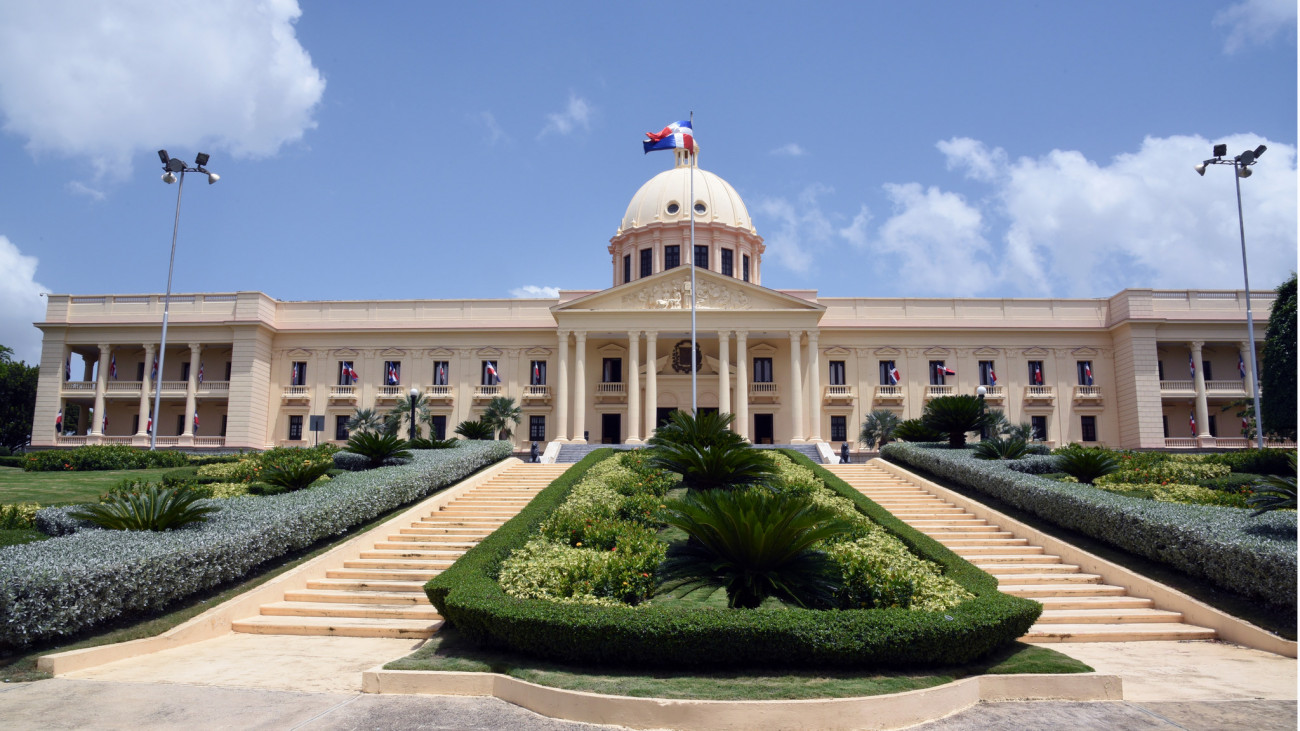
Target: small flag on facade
x,y
293,376
674,136
1087,374
196,422
944,370
993,377
148,427
1245,426
392,378
350,372
1241,366
200,371
442,375
67,370
492,373
894,376
1038,375
112,367
104,429
154,373
1191,420
1191,366
537,374
58,421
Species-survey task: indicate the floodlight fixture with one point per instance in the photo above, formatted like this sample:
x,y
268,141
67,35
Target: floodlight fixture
x,y
1244,173
168,178
1260,151
201,159
1220,150
212,178
1200,167
162,155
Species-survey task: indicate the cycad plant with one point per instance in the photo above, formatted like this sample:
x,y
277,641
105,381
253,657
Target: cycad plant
x,y
501,414
295,474
996,423
878,428
1009,448
710,429
752,544
474,430
1274,492
1086,464
915,430
377,447
707,454
153,508
954,416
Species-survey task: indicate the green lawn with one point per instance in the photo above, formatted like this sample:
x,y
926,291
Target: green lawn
x,y
48,488
450,651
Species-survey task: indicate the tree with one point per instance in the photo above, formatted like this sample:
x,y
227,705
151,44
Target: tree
x,y
502,413
955,416
878,428
17,400
1277,374
366,420
399,416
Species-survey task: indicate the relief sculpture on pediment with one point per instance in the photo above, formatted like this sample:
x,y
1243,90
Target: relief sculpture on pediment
x,y
676,295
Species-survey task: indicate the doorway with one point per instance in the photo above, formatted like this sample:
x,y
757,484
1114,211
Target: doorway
x,y
611,428
763,433
662,415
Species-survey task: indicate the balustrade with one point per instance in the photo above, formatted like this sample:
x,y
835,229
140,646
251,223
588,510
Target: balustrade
x,y
763,392
297,393
487,393
839,393
616,392
995,393
1226,388
889,393
1040,393
937,391
209,441
80,386
390,393
1087,393
537,393
1179,387
343,393
1180,443
123,387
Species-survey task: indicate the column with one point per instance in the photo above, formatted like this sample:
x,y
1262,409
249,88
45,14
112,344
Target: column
x,y
724,372
742,385
814,388
101,383
146,388
1202,408
580,387
796,389
562,390
633,387
191,391
651,385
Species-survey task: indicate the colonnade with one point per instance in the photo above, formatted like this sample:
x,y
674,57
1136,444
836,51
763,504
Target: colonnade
x,y
147,385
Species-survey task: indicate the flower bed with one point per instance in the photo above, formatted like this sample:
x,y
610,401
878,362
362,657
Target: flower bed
x,y
62,586
679,634
1255,557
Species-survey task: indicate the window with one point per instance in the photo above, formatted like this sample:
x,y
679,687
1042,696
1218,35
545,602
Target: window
x,y
647,262
392,373
440,370
1214,426
1205,369
295,427
702,256
1160,369
537,428
139,371
489,375
1164,422
180,424
537,373
627,268
227,370
744,266
672,256
1036,374
886,373
341,427
223,425
298,373
611,370
185,371
839,429
1089,426
728,267
938,373
1084,367
988,375
762,370
836,375
1040,427
345,373
438,425
135,424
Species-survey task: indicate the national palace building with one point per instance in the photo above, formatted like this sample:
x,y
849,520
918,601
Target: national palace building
x,y
1141,369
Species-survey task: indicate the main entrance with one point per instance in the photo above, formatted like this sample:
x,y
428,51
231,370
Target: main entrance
x,y
763,432
611,428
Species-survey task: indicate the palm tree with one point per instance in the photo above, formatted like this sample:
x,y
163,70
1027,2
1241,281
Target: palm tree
x,y
996,423
474,430
712,429
500,414
878,428
955,416
1023,431
400,415
366,420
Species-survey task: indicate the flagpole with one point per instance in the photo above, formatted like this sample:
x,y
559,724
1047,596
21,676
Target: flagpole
x,y
694,346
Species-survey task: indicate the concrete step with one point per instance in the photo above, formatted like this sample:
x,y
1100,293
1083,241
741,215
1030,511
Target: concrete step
x,y
415,553
998,558
1035,591
356,597
966,551
384,574
426,543
1047,579
1045,633
1108,616
424,612
958,542
337,627
936,530
367,585
1093,602
1003,569
409,564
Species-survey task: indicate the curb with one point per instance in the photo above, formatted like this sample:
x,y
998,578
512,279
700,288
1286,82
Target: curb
x,y
892,711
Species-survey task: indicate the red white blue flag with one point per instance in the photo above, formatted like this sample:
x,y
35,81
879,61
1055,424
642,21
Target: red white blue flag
x,y
104,429
492,373
1191,420
1191,366
1087,374
1241,366
58,421
200,371
1245,426
392,377
944,370
537,374
894,376
993,377
196,422
293,376
1038,375
674,136
148,427
112,367
442,375
154,373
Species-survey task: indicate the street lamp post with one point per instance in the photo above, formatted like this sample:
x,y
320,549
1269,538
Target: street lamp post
x,y
1241,167
984,426
171,166
415,395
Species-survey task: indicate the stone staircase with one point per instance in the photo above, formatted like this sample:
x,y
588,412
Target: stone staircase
x,y
381,593
570,453
1077,607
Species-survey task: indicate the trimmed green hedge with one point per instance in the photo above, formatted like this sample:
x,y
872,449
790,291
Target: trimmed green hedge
x,y
102,457
678,635
1255,557
13,461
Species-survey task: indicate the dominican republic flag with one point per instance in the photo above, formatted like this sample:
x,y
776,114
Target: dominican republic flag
x,y
442,375
350,372
894,376
148,426
675,135
1191,420
993,377
112,367
944,370
154,373
196,422
537,373
293,377
391,377
1191,366
1245,426
200,371
1038,375
1087,374
492,373
104,428
58,421
1241,366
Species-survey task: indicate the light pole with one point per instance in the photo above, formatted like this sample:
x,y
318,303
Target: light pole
x,y
1241,166
415,395
171,166
984,426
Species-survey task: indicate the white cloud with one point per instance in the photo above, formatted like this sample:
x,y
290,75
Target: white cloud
x,y
532,291
791,150
576,115
20,303
801,230
80,188
492,131
1256,22
103,81
979,162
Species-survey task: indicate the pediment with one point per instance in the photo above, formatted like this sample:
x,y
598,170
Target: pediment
x,y
987,351
888,351
392,353
347,353
936,351
441,353
488,352
299,353
1085,351
671,290
762,350
541,352
1036,352
838,351
611,350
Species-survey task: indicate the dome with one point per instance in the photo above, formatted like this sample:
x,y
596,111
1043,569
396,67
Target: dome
x,y
663,199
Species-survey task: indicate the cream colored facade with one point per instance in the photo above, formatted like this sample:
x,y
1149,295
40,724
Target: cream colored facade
x,y
605,365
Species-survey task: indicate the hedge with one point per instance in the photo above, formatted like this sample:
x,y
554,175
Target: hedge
x,y
62,586
1255,557
679,635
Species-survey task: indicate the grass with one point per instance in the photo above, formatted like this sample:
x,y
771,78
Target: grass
x,y
49,488
449,651
1279,621
20,535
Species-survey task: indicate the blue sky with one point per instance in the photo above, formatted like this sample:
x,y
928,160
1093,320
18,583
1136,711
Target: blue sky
x,y
395,150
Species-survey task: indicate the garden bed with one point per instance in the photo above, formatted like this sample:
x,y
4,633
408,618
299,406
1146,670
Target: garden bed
x,y
681,634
